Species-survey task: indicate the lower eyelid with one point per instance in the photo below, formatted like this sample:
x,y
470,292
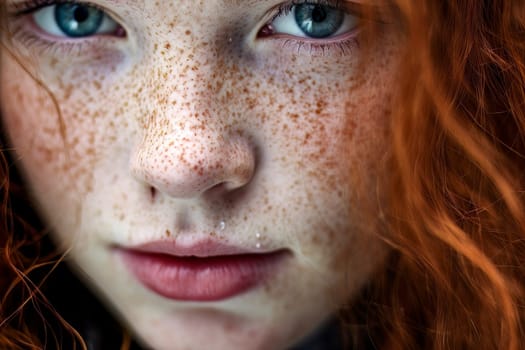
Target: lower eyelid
x,y
27,35
344,44
31,28
327,41
287,44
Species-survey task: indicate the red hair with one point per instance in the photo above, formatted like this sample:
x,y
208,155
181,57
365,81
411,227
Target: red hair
x,y
27,319
456,216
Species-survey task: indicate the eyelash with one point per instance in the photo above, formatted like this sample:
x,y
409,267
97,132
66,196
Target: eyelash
x,y
313,47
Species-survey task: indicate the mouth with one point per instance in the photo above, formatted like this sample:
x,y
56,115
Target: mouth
x,y
206,271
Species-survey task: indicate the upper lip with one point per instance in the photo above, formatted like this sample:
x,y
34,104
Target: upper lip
x,y
200,249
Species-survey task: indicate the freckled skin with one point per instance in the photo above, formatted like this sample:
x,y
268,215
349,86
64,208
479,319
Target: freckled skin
x,y
175,128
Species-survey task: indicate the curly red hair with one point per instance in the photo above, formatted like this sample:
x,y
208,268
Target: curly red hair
x,y
456,214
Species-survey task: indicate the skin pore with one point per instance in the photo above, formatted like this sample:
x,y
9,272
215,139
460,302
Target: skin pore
x,y
188,124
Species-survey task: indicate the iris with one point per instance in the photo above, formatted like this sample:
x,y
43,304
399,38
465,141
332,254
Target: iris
x,y
318,21
77,20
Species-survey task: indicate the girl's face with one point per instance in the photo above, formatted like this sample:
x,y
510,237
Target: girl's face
x,y
214,168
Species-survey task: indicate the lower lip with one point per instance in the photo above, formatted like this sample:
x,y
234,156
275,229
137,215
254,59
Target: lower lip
x,y
201,279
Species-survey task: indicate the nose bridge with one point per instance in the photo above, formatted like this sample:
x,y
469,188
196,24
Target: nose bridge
x,y
187,81
186,66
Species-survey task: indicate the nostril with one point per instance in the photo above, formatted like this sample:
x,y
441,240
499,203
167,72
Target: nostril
x,y
216,190
153,193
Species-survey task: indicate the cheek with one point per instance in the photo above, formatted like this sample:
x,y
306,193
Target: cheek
x,y
57,144
32,120
325,142
331,136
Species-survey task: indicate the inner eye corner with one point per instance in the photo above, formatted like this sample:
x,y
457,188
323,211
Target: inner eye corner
x,y
120,32
265,31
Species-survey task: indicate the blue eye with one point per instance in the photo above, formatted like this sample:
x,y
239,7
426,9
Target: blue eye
x,y
314,21
318,21
74,20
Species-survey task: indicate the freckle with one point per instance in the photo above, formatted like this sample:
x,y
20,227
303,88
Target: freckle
x,y
168,233
188,32
294,116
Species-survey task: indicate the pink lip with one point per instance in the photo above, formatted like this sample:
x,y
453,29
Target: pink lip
x,y
205,271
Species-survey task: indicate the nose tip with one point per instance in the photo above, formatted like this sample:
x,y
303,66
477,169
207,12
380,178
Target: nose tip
x,y
190,169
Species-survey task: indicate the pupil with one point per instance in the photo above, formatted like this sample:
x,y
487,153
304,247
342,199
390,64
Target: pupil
x,y
80,14
318,14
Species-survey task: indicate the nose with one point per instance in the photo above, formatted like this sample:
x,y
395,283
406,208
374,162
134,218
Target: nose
x,y
191,142
185,164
